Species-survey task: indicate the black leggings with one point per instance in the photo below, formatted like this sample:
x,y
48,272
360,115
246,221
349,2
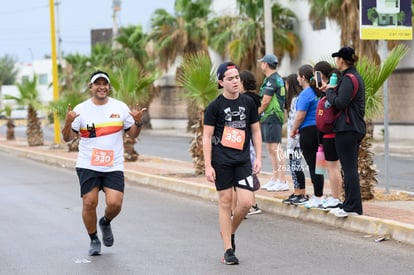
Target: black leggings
x,y
309,145
347,145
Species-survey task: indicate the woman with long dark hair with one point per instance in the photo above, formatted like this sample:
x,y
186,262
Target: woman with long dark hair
x,y
305,125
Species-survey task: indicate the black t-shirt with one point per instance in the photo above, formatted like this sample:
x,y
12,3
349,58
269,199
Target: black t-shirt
x,y
239,114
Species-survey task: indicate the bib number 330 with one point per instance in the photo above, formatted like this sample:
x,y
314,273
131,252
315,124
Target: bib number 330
x,y
233,138
102,157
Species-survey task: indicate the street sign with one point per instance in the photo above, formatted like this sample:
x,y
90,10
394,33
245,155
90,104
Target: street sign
x,y
385,20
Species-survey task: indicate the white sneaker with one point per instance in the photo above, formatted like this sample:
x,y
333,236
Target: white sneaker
x,y
342,213
279,186
314,202
334,210
330,203
271,182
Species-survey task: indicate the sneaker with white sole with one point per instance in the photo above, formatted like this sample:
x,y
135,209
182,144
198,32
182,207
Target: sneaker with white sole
x,y
314,202
290,199
254,210
300,199
279,186
229,257
342,213
95,247
330,203
271,182
334,210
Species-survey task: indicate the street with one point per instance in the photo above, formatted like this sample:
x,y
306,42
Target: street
x,y
166,233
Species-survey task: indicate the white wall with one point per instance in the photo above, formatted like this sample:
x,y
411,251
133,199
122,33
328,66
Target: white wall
x,y
40,67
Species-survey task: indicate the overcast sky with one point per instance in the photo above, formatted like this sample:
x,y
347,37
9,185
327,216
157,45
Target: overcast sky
x,y
25,24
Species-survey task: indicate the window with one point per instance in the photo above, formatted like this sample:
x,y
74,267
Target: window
x,y
319,25
43,79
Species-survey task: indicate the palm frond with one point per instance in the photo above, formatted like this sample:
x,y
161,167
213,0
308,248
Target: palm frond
x,y
374,77
198,79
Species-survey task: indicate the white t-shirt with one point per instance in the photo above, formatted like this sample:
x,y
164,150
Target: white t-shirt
x,y
292,143
101,128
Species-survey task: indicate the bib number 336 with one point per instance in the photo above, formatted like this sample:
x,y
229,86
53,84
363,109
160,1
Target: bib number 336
x,y
233,138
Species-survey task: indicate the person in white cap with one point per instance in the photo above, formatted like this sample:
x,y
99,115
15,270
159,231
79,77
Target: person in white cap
x,y
272,107
101,122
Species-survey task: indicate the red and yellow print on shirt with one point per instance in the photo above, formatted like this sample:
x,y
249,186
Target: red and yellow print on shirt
x,y
101,129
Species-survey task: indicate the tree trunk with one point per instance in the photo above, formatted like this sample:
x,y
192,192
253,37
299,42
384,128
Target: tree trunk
x,y
192,114
73,146
196,146
129,151
366,167
34,133
10,130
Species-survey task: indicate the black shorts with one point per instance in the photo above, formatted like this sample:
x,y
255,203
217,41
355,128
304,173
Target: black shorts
x,y
89,179
329,149
233,175
271,132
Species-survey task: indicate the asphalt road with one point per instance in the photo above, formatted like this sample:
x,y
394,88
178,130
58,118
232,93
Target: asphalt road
x,y
166,233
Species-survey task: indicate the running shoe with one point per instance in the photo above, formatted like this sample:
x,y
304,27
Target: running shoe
x,y
290,199
300,199
330,203
254,210
314,202
95,247
229,257
107,236
270,183
342,213
278,186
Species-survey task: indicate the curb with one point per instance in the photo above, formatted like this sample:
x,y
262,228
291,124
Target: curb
x,y
369,225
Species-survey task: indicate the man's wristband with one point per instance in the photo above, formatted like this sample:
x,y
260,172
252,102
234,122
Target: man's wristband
x,y
139,124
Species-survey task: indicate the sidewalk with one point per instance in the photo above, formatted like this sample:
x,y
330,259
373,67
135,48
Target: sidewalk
x,y
390,215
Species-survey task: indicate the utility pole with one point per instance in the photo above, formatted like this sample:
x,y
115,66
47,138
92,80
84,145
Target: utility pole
x,y
267,6
56,123
59,40
116,7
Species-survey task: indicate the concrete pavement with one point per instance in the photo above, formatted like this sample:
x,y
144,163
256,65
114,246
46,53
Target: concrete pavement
x,y
389,215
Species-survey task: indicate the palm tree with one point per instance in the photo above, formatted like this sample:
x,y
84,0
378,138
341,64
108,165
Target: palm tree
x,y
29,96
133,85
374,77
72,97
10,123
133,40
198,79
183,33
241,37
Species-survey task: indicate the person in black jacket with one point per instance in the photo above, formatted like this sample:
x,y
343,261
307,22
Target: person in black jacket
x,y
349,128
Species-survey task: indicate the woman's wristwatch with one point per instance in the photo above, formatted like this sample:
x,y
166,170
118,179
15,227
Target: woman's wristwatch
x,y
139,124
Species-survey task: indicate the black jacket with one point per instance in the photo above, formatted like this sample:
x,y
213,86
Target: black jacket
x,y
340,98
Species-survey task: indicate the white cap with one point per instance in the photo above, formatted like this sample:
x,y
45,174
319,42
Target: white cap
x,y
99,75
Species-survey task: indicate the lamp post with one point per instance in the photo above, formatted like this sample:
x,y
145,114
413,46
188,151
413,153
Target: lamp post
x,y
116,7
56,124
267,6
